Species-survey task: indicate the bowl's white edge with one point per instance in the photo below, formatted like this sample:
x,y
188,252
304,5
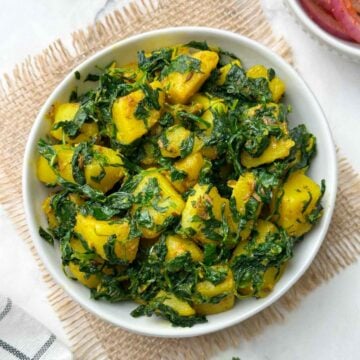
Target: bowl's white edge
x,y
193,331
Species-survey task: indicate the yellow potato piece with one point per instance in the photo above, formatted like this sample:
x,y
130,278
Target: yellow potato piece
x,y
181,87
277,149
192,165
227,286
49,212
276,85
67,112
243,189
128,127
257,71
299,199
91,281
97,232
63,160
170,202
225,70
198,208
271,276
171,141
277,88
209,309
114,171
180,306
177,245
44,172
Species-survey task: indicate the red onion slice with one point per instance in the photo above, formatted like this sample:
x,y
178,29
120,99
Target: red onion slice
x,y
347,16
356,5
324,19
325,4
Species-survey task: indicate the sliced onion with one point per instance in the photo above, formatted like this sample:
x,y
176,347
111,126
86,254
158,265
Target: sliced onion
x,y
325,4
356,5
324,19
347,16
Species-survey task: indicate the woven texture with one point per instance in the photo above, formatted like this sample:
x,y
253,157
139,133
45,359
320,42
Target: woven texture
x,y
23,93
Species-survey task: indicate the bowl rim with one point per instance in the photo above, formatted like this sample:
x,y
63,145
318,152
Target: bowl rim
x,y
344,47
33,226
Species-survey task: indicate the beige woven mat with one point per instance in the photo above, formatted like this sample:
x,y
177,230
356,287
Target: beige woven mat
x,y
23,93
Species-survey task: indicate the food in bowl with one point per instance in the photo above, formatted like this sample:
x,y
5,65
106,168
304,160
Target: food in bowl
x,y
340,18
177,182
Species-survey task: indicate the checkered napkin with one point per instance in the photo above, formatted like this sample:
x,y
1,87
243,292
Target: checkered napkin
x,y
23,337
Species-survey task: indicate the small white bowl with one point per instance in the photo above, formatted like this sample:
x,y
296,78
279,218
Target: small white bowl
x,y
305,110
347,49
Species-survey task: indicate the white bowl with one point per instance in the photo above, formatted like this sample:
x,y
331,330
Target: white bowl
x,y
347,49
305,110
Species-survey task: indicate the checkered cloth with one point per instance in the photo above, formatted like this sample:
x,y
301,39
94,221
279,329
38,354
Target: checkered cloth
x,y
23,337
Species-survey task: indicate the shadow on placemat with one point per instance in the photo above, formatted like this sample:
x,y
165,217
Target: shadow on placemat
x,y
23,93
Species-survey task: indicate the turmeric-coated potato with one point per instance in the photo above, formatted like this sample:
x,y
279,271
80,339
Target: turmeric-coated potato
x,y
182,85
177,245
177,141
276,85
298,200
243,190
135,114
158,203
203,209
208,289
277,149
90,281
224,70
191,167
105,169
46,173
224,304
181,307
109,239
67,112
271,275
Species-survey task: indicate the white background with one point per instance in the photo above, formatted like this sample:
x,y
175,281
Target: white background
x,y
326,325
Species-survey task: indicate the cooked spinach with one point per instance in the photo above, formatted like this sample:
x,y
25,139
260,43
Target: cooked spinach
x,y
167,219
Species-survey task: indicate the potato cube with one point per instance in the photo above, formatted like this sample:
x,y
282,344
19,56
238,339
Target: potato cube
x,y
176,141
277,88
133,115
209,309
177,245
105,169
109,239
91,281
227,286
181,86
192,166
181,307
203,213
67,112
271,275
225,70
276,85
300,197
46,174
158,203
277,149
243,190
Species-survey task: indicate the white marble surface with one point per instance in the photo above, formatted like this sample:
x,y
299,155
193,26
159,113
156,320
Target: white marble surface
x,y
327,323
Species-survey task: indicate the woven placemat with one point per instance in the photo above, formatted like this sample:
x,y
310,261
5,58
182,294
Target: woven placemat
x,y
23,93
